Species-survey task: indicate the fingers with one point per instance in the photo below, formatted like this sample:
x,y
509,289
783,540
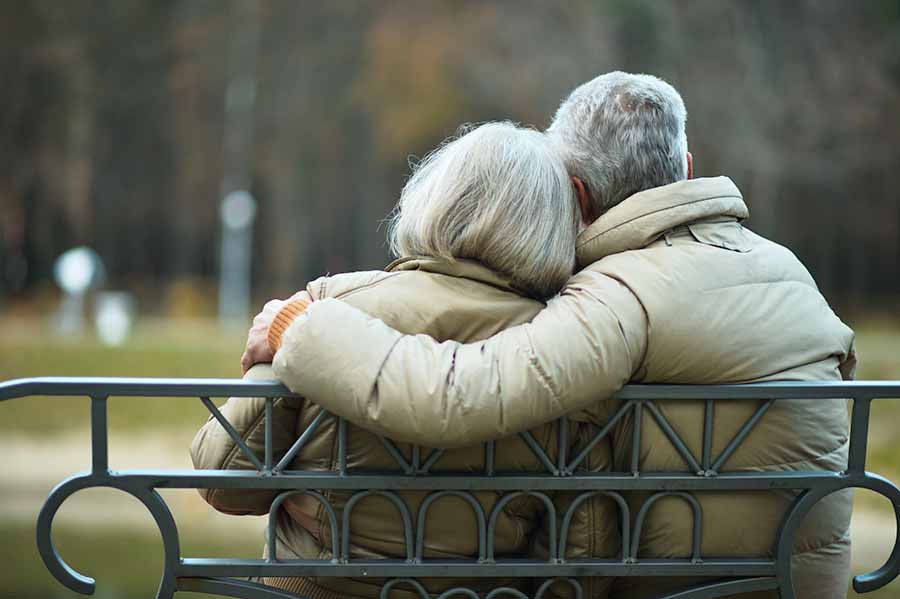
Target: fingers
x,y
257,352
257,348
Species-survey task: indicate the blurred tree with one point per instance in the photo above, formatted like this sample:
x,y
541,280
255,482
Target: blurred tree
x,y
112,122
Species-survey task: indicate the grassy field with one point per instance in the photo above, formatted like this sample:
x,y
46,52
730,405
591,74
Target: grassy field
x,y
46,439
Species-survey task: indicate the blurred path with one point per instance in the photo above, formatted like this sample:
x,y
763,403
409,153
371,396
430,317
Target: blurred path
x,y
36,464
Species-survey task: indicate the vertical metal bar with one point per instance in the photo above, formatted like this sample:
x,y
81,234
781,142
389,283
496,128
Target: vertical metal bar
x,y
636,438
708,434
416,458
269,448
489,458
342,446
859,433
562,436
99,436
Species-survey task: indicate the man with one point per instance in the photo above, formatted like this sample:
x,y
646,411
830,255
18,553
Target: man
x,y
672,289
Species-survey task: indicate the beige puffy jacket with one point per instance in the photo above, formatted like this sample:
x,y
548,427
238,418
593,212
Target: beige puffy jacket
x,y
673,289
463,301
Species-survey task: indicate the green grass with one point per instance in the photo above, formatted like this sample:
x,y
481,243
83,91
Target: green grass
x,y
189,349
125,563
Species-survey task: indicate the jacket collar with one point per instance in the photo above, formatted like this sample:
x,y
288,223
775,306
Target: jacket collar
x,y
461,267
642,218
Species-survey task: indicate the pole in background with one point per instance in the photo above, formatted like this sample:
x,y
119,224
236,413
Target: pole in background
x,y
238,209
238,213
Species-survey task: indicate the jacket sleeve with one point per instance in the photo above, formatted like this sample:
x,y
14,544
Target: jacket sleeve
x,y
582,348
214,449
849,363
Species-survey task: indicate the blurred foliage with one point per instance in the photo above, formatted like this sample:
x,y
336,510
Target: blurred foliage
x,y
113,122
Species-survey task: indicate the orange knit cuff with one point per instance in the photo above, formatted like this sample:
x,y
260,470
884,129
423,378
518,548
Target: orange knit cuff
x,y
283,320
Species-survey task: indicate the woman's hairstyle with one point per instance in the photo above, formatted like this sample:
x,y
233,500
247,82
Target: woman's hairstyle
x,y
498,194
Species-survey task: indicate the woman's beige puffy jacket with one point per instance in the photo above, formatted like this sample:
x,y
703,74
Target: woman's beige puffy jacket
x,y
462,301
673,289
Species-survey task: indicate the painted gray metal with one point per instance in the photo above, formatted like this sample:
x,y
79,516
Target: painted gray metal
x,y
703,472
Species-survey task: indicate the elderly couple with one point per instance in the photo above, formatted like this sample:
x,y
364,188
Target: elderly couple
x,y
537,274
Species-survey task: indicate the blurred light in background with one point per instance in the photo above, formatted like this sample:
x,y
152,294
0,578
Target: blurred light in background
x,y
114,316
76,272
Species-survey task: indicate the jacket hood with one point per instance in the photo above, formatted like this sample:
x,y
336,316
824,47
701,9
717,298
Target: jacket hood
x,y
643,217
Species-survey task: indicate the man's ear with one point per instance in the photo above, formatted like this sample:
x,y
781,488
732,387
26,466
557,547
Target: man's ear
x,y
584,200
690,159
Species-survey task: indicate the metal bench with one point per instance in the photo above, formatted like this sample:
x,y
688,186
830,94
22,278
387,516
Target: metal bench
x,y
223,576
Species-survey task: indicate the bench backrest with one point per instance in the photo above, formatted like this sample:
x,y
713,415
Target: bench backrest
x,y
221,576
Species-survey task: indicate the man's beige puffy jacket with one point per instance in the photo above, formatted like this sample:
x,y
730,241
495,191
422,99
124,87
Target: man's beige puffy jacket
x,y
673,289
463,301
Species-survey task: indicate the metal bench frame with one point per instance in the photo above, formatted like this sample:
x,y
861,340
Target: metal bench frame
x,y
221,576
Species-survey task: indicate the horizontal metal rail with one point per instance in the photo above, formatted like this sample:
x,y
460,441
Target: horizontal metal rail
x,y
563,471
250,479
214,567
166,387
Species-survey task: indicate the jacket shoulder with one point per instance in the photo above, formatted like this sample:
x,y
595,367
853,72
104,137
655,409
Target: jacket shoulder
x,y
340,285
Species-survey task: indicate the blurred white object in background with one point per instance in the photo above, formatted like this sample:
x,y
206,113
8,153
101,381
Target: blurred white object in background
x,y
76,271
113,316
238,212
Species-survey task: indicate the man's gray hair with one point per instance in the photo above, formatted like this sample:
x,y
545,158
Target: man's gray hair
x,y
622,133
499,194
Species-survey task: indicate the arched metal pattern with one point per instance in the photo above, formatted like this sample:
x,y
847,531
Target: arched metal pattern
x,y
506,591
476,508
806,501
85,585
398,503
218,575
625,520
459,592
572,582
498,508
697,525
273,517
415,584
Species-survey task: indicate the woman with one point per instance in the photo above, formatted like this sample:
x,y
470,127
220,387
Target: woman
x,y
485,229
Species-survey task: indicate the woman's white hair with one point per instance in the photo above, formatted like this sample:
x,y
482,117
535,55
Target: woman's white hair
x,y
622,133
498,194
